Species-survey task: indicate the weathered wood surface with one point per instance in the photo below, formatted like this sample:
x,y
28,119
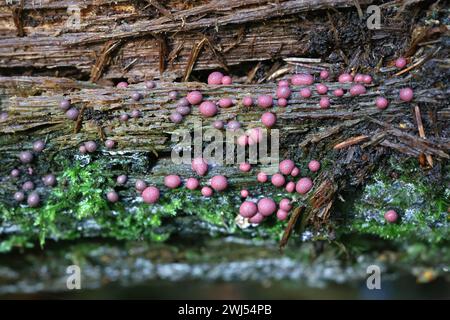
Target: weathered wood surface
x,y
235,31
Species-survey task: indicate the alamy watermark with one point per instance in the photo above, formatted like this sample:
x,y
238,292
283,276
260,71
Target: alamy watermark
x,y
374,277
73,281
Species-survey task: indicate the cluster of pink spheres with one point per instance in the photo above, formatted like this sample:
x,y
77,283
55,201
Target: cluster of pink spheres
x,y
26,158
257,211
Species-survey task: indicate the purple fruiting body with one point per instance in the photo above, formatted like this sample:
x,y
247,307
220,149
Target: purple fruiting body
x,y
64,104
207,192
278,180
266,206
150,194
140,185
268,119
265,101
72,114
194,97
172,181
286,166
33,199
303,79
314,165
173,95
110,144
248,209
49,180
27,186
15,173
219,183
26,157
91,146
176,117
183,110
215,78
208,109
123,117
381,103
38,146
192,183
406,94
19,196
303,185
136,96
112,196
122,179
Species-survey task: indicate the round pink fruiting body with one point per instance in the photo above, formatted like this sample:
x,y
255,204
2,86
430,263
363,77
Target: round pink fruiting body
x,y
245,167
15,173
176,117
282,214
140,185
28,185
278,180
150,84
218,124
303,185
400,63
256,219
268,119
248,209
49,180
136,96
33,199
381,103
314,165
391,216
200,166
225,102
283,92
135,114
208,109
345,77
367,79
286,166
19,196
265,101
38,146
233,125
321,88
112,196
215,78
91,146
110,144
406,94
358,78
324,102
290,186
172,181
207,191
122,179
302,79
247,101
26,157
285,204
262,177
82,149
266,206
226,80
122,85
219,183
324,74
283,83
183,110
194,97
72,114
192,183
282,102
124,117
244,193
357,89
338,92
305,92
64,104
150,195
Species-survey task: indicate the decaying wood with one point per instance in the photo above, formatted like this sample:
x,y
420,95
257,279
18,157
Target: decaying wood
x,y
238,32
